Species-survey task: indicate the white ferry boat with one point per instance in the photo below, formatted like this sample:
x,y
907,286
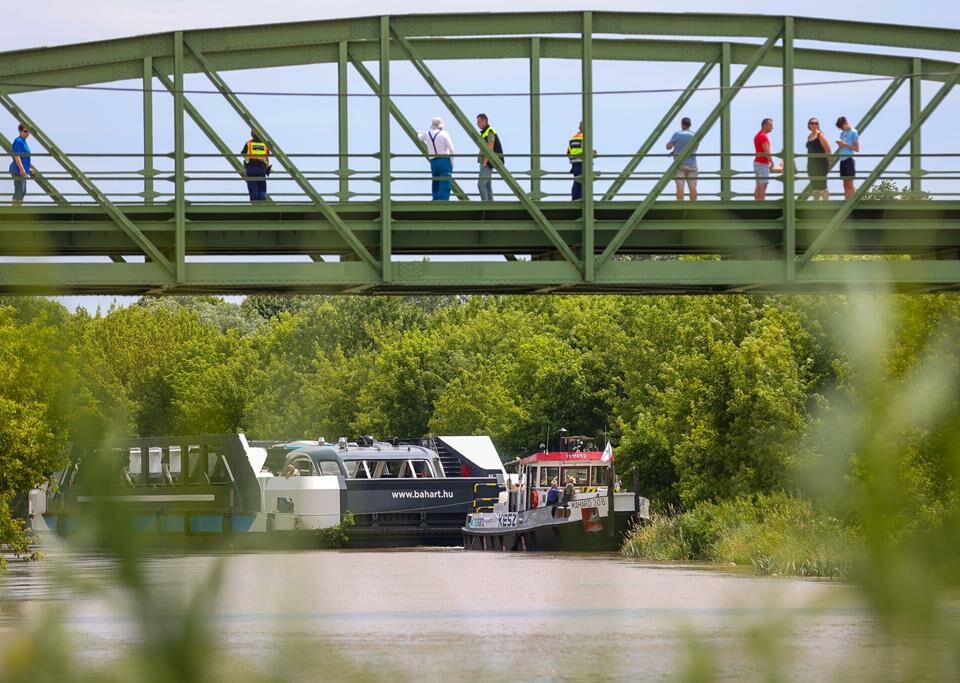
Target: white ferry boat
x,y
216,487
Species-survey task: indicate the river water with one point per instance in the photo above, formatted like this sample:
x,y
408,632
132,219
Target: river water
x,y
446,614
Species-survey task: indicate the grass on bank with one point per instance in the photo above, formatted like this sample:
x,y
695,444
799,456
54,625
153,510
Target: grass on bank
x,y
776,534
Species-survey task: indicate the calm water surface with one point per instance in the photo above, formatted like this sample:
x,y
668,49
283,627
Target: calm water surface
x,y
439,614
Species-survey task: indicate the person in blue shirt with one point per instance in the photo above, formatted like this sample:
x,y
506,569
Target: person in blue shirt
x,y
553,495
687,173
20,167
847,146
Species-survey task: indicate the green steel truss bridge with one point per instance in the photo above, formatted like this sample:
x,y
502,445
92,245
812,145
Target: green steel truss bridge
x,y
169,235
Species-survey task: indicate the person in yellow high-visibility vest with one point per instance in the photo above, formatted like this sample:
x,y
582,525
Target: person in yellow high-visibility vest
x,y
575,155
256,155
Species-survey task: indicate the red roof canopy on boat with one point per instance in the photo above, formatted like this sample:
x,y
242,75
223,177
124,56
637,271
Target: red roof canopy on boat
x,y
564,456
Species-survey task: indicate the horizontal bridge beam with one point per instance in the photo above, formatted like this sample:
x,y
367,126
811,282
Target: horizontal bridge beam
x,y
654,276
317,42
734,229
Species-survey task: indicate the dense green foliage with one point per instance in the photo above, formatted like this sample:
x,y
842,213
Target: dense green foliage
x,y
774,534
709,399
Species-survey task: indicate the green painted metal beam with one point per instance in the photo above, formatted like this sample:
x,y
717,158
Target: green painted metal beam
x,y
726,128
659,130
916,142
386,184
343,120
77,65
124,223
260,40
865,186
789,168
494,160
536,172
279,154
516,276
179,160
671,172
402,120
38,177
148,170
586,106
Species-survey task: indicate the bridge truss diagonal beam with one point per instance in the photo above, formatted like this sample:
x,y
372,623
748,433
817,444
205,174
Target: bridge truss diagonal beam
x,y
124,223
203,125
660,129
402,120
44,184
328,213
864,123
881,166
671,172
494,160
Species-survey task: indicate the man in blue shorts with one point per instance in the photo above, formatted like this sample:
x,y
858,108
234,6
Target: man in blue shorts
x,y
847,146
20,167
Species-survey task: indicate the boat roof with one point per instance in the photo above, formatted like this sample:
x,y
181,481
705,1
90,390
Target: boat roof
x,y
563,456
379,452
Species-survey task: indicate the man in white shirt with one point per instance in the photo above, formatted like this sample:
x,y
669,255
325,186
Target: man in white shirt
x,y
440,151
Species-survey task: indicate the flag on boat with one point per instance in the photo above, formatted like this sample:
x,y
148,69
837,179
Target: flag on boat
x,y
607,453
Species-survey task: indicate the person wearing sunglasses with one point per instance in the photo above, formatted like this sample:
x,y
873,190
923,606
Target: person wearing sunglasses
x,y
818,160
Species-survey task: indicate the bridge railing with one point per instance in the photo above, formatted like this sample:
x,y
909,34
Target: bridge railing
x,y
209,178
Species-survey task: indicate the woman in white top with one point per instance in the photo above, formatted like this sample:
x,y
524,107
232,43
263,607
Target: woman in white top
x,y
440,151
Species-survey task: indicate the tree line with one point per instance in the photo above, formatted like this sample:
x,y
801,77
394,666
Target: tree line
x,y
707,398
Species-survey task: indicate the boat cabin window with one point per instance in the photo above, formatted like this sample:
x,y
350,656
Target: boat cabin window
x,y
598,476
384,469
548,474
210,468
416,469
303,465
580,474
329,469
357,469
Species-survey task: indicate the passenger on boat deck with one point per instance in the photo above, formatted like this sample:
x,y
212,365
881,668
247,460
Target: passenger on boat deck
x,y
553,495
569,490
291,471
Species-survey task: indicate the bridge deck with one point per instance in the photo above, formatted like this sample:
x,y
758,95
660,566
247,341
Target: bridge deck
x,y
738,245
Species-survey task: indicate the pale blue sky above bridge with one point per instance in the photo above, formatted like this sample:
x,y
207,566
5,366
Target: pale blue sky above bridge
x,y
89,121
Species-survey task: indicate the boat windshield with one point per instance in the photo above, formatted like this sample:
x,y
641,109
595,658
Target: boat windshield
x,y
390,469
580,474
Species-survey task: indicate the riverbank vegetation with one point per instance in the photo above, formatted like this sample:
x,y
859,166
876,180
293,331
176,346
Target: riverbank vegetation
x,y
762,428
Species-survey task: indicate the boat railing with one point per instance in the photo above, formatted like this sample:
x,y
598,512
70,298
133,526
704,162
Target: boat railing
x,y
482,501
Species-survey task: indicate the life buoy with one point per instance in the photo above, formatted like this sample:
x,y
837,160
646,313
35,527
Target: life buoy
x,y
534,498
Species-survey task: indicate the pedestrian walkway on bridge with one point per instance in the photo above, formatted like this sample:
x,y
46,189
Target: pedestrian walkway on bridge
x,y
356,215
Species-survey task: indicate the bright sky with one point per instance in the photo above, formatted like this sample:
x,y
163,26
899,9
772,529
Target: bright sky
x,y
86,121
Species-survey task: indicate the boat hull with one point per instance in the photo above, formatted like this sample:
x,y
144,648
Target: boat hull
x,y
570,536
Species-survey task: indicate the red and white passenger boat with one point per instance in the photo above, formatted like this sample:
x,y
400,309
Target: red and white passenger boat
x,y
596,516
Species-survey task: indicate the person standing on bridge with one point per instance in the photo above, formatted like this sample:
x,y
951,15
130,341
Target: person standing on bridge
x,y
492,141
847,146
818,160
575,155
256,156
440,153
20,167
687,173
763,162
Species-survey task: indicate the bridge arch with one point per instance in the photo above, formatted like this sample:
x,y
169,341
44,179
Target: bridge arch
x,y
549,246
